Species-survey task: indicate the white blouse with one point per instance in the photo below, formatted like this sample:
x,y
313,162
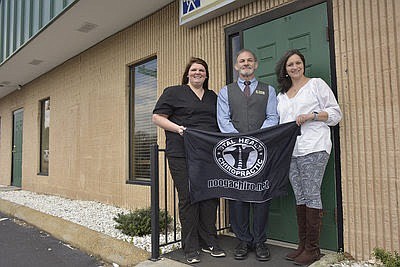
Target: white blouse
x,y
315,95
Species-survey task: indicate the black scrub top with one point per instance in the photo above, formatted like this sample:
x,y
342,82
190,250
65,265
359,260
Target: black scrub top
x,y
183,107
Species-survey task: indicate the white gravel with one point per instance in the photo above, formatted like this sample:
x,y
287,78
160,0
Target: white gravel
x,y
91,214
337,260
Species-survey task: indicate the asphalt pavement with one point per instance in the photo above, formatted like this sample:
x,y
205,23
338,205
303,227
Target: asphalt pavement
x,y
23,245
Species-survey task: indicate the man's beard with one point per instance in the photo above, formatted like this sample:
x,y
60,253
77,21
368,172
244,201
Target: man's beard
x,y
246,72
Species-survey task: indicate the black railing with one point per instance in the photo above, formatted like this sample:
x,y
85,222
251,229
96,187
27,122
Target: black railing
x,y
155,153
155,211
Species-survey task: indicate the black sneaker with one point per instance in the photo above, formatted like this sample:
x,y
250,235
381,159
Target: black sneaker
x,y
215,251
193,257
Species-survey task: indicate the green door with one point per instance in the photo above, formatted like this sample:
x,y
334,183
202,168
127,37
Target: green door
x,y
305,30
16,179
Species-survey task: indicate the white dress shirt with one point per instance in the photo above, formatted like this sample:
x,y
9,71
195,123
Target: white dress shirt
x,y
315,95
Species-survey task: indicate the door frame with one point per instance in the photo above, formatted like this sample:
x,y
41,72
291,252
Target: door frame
x,y
237,30
13,141
0,136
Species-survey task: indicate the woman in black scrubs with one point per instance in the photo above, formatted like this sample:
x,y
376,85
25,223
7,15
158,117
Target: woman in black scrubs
x,y
192,105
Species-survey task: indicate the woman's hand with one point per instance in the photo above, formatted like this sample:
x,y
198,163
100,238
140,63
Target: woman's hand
x,y
302,118
181,129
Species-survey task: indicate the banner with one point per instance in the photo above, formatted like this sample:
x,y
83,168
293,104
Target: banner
x,y
251,167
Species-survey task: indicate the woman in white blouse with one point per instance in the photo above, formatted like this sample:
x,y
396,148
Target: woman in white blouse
x,y
311,103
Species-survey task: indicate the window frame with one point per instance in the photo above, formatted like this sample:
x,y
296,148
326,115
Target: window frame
x,y
0,131
131,177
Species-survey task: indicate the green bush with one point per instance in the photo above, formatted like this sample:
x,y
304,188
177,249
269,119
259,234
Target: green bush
x,y
387,258
138,222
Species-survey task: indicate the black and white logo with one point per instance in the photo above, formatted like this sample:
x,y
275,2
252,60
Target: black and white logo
x,y
241,157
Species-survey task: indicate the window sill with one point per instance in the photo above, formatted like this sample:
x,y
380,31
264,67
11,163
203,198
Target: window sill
x,y
139,182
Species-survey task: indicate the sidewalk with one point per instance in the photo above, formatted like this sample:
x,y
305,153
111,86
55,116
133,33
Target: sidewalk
x,y
162,262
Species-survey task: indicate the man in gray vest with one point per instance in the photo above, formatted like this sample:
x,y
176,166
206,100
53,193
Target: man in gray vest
x,y
244,106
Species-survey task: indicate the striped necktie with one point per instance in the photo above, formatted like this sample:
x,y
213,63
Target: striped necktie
x,y
247,88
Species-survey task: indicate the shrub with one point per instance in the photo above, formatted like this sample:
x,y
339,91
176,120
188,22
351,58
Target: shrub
x,y
138,222
387,258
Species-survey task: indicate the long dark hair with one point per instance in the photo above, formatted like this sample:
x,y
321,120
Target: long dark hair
x,y
193,60
284,81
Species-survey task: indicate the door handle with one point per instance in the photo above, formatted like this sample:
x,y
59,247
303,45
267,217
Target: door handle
x,y
13,150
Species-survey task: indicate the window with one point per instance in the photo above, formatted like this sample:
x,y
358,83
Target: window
x,y
143,133
235,47
44,136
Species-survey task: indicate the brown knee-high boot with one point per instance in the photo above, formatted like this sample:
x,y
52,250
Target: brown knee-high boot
x,y
301,224
311,252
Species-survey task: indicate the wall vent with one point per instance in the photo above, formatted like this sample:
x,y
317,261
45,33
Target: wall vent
x,y
87,27
36,62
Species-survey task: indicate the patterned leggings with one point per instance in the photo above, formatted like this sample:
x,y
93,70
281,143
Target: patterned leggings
x,y
305,174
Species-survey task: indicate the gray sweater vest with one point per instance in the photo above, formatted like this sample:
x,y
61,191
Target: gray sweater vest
x,y
248,113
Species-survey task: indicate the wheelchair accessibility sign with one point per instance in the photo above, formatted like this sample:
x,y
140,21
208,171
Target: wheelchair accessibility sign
x,y
190,5
194,12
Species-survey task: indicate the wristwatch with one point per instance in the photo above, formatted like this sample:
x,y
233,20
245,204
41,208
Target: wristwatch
x,y
315,116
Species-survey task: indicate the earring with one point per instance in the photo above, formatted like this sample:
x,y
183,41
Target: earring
x,y
287,75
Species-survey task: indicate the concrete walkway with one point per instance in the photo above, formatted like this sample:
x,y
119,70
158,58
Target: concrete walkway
x,y
162,262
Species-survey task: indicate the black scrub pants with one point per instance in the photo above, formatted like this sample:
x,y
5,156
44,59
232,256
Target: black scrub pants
x,y
198,219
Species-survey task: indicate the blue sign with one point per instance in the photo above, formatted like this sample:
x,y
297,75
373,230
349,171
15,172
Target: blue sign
x,y
190,5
